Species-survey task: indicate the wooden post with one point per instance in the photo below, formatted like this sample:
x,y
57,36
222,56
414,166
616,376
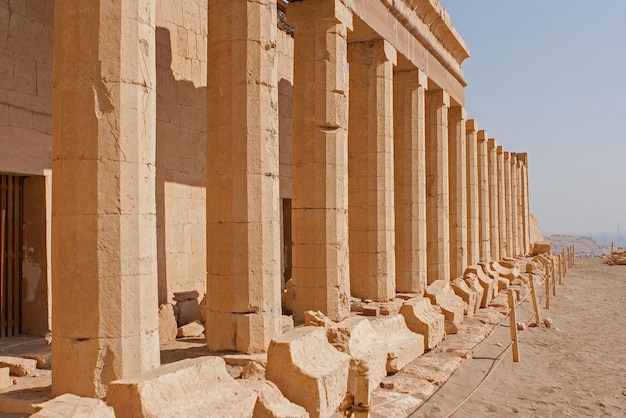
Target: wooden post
x,y
362,404
513,322
533,295
548,277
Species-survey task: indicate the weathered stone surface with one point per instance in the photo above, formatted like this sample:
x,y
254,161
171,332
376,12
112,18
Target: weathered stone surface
x,y
199,387
308,370
253,371
317,319
5,378
441,294
421,317
167,323
356,337
69,405
271,403
542,247
469,296
487,283
503,283
19,366
434,369
472,282
186,310
192,329
286,323
403,345
506,269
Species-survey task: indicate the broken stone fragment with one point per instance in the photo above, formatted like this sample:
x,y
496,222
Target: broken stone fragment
x,y
5,379
271,403
203,388
68,405
308,370
19,366
470,297
167,323
421,317
403,345
192,329
356,337
317,319
441,294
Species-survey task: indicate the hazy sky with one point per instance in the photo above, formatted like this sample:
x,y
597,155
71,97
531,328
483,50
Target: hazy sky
x,y
549,77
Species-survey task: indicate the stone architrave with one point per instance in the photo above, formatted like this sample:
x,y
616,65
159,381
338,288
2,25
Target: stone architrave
x,y
516,250
320,263
509,204
458,190
370,170
473,248
437,187
494,224
243,216
483,196
501,204
410,179
104,265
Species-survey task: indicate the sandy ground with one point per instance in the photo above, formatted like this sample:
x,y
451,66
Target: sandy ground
x,y
576,368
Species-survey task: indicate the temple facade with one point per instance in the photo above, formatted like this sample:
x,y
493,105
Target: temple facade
x,y
278,157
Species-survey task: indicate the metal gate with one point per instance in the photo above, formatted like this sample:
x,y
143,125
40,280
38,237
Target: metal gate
x,y
11,204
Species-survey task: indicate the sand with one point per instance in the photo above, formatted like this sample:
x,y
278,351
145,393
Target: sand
x,y
576,368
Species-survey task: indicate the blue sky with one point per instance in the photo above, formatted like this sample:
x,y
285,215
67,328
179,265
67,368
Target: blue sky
x,y
548,77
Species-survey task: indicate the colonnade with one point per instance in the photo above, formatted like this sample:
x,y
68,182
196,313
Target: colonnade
x,y
393,187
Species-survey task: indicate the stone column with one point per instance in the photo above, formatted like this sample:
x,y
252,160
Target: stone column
x,y
509,204
321,275
483,196
525,202
410,180
243,213
437,188
514,218
370,170
458,190
473,249
501,204
104,266
520,205
494,224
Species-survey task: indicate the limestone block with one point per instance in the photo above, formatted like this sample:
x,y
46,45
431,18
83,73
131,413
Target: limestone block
x,y
192,329
187,306
441,294
503,283
308,370
469,296
472,282
69,405
403,345
167,323
19,366
271,403
5,379
506,269
286,323
198,387
356,337
485,281
421,317
542,247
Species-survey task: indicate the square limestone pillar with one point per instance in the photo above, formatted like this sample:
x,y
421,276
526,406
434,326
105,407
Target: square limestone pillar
x,y
484,231
104,253
515,214
321,273
520,204
525,202
243,213
473,220
509,204
458,190
410,179
494,225
437,187
370,170
501,204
